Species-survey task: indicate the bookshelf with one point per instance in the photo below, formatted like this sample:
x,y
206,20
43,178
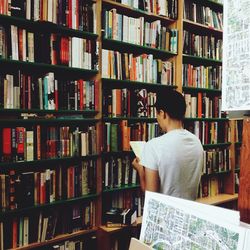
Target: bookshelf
x,y
201,23
49,111
123,85
109,74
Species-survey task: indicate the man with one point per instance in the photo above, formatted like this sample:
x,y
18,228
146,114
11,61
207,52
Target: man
x,y
172,163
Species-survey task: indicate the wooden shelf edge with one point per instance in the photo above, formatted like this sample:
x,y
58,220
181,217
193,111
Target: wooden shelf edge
x,y
199,25
218,199
57,239
138,11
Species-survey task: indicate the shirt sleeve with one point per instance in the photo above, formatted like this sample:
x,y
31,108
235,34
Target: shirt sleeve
x,y
149,157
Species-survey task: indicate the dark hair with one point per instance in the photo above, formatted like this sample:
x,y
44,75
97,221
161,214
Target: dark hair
x,y
172,102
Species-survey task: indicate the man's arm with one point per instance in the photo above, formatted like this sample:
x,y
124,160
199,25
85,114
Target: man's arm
x,y
149,179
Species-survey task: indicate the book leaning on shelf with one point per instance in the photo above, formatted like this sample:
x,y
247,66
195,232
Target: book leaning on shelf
x,y
210,227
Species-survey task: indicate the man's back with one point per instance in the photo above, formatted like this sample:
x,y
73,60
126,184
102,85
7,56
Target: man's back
x,y
178,156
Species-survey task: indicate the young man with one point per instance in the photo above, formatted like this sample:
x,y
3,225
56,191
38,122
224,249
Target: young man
x,y
172,163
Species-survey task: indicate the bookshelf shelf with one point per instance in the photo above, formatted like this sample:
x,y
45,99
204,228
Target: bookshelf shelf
x,y
84,113
58,238
238,144
41,164
125,187
207,119
217,145
197,59
130,119
212,3
206,90
47,205
43,67
48,121
218,173
116,153
46,26
218,199
188,24
135,84
137,49
136,12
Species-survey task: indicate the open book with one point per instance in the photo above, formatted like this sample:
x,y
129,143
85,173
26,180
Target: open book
x,y
183,224
137,147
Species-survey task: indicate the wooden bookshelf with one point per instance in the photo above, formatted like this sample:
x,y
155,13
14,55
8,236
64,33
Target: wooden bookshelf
x,y
218,199
12,117
57,239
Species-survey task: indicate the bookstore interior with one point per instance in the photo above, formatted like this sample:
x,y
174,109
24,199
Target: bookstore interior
x,y
78,83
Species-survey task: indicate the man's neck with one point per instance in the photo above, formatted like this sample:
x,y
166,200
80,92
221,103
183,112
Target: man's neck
x,y
174,124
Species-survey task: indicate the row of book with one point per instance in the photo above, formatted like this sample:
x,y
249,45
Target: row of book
x,y
118,135
202,76
46,93
202,45
117,103
27,189
45,225
75,14
202,14
24,45
202,106
216,161
118,171
138,31
142,68
38,142
210,186
132,198
210,132
166,8
77,244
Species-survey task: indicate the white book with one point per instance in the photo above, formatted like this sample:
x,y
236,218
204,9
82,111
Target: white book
x,y
28,9
29,145
94,18
137,147
14,43
25,231
36,10
24,46
50,10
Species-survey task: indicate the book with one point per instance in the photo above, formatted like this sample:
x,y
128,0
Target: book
x,y
207,221
137,147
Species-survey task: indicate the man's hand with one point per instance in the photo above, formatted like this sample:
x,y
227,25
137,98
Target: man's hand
x,y
136,165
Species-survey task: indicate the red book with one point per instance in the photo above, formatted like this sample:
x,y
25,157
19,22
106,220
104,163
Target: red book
x,y
96,100
80,89
14,233
20,44
77,14
20,139
70,182
6,144
199,101
70,14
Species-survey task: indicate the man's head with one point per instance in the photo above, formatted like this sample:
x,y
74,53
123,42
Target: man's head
x,y
170,106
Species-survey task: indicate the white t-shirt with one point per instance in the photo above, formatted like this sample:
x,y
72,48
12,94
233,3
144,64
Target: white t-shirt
x,y
178,156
